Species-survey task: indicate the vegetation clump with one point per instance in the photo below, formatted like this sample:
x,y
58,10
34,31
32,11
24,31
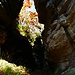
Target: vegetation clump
x,y
12,69
28,24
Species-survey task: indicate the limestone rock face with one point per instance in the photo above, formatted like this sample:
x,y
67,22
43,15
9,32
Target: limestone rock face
x,y
59,33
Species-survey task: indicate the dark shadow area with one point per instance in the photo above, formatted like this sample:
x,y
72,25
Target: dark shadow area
x,y
16,48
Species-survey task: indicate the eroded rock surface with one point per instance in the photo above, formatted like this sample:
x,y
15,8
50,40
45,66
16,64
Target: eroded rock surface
x,y
59,33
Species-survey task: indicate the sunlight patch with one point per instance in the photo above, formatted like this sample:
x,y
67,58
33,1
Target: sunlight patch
x,y
28,24
11,69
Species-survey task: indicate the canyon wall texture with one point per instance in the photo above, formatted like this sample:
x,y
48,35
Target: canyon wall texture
x,y
59,34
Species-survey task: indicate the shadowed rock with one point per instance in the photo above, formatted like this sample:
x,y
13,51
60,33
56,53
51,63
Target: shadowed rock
x,y
58,36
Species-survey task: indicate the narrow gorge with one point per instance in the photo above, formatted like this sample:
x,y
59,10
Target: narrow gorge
x,y
55,55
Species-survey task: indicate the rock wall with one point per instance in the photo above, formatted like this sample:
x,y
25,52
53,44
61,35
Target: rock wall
x,y
59,34
58,17
9,10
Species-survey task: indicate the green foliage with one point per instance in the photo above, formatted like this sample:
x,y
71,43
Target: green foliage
x,y
11,69
28,24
